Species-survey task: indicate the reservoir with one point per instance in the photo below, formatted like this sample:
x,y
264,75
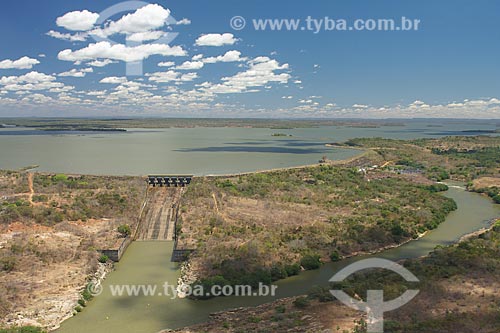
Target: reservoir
x,y
201,150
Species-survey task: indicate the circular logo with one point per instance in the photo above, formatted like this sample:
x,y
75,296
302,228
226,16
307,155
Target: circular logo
x,y
94,288
237,22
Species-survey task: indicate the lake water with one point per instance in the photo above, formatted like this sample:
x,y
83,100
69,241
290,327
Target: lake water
x,y
199,151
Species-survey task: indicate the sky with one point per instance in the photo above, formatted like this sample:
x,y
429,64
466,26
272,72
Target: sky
x,y
185,58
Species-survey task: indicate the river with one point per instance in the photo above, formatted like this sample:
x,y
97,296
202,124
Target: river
x,y
148,263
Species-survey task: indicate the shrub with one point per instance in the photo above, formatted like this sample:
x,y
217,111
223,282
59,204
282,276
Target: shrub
x,y
301,302
8,263
40,198
60,178
310,261
103,259
86,294
335,256
280,309
292,269
278,273
322,294
437,187
124,230
496,198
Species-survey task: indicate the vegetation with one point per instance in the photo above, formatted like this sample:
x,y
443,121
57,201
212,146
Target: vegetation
x,y
311,261
103,259
70,198
124,230
474,262
117,123
52,234
23,329
459,157
492,192
260,223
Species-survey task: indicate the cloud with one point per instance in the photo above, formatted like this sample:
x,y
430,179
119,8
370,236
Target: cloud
x,y
21,63
101,63
360,106
171,76
261,72
78,20
77,37
31,77
190,65
114,80
144,19
229,56
30,81
184,21
166,64
77,72
145,36
96,92
61,89
418,104
104,50
216,40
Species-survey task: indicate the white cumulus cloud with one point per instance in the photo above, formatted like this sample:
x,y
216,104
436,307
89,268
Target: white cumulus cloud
x,y
77,37
216,40
114,80
261,72
229,56
21,63
144,19
104,50
190,65
78,20
101,63
145,36
77,72
166,64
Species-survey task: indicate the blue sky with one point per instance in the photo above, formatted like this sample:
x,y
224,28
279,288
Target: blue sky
x,y
449,67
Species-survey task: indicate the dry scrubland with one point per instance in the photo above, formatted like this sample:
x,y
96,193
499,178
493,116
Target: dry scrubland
x,y
50,229
262,226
